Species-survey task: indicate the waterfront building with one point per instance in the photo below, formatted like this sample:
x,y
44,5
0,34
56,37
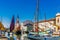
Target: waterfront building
x,y
28,25
53,23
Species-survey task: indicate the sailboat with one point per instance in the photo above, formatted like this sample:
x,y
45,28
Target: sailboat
x,y
45,36
35,34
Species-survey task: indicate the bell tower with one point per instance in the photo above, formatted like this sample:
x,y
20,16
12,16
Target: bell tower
x,y
58,19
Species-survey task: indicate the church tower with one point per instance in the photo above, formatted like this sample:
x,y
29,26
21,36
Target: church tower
x,y
58,19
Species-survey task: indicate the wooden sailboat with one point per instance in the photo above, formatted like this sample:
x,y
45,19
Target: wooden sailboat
x,y
32,35
38,37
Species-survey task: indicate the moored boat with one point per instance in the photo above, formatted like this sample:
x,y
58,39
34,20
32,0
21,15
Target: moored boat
x,y
43,37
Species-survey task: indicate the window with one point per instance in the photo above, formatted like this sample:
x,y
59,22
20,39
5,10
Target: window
x,y
58,20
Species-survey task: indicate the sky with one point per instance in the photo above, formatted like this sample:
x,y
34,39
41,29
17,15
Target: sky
x,y
26,9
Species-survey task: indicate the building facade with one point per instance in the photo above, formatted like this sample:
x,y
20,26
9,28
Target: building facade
x,y
53,23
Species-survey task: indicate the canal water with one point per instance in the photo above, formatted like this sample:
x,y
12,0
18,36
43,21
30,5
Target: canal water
x,y
25,38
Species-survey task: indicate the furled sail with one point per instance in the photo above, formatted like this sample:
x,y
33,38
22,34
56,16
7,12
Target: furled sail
x,y
12,25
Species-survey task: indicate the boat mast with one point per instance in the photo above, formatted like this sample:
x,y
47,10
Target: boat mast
x,y
37,16
45,19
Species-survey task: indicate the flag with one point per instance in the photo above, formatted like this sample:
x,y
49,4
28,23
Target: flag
x,y
18,26
12,24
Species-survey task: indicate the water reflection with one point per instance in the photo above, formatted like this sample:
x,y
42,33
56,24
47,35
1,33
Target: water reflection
x,y
15,38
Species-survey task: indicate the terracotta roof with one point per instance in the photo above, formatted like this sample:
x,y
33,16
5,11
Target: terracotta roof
x,y
47,20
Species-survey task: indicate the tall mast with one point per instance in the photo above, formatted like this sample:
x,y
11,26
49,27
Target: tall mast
x,y
45,16
37,16
45,19
18,26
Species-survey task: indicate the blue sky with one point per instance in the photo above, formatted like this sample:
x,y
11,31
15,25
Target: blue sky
x,y
26,9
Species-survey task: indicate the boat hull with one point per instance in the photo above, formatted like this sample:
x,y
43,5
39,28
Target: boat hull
x,y
44,38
